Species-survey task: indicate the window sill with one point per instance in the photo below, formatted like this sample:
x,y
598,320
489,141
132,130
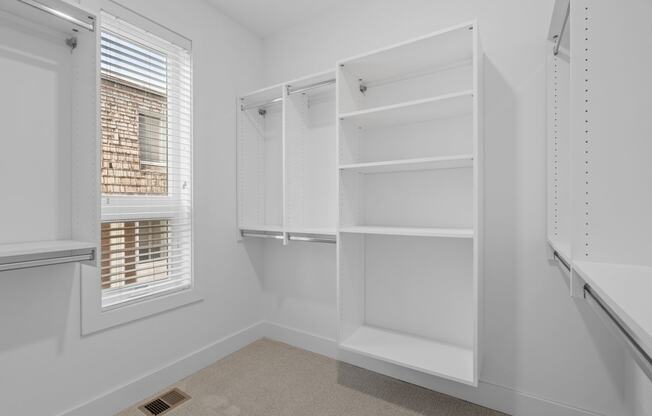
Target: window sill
x,y
95,319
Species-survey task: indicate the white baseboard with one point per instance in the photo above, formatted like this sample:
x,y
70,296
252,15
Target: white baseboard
x,y
486,394
301,339
133,392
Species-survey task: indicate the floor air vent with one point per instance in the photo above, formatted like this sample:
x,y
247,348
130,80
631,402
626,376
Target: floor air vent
x,y
164,403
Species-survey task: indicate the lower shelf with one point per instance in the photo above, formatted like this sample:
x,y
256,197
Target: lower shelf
x,y
626,291
420,354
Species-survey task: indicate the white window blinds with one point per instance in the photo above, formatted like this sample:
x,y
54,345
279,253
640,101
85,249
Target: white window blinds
x,y
146,123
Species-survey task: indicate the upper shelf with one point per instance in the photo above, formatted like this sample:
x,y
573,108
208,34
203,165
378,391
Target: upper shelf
x,y
436,50
44,253
443,106
406,165
626,290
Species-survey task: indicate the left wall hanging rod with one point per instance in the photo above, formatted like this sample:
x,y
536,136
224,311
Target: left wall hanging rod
x,y
560,36
90,25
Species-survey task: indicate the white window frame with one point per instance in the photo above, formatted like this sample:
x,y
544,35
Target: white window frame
x,y
94,317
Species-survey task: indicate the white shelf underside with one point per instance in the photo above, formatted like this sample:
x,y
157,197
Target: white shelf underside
x,y
626,290
411,231
421,354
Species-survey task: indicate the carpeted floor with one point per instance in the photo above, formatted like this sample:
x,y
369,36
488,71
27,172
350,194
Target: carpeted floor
x,y
269,378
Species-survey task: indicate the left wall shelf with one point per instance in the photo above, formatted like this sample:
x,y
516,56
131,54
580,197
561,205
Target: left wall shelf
x,y
51,214
44,253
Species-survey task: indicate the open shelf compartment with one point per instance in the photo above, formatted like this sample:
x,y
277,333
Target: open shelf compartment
x,y
440,198
260,160
410,301
310,162
436,64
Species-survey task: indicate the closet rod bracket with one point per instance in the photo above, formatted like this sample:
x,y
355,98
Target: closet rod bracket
x,y
72,43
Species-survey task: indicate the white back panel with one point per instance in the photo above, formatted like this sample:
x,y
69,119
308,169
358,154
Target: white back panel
x,y
432,198
559,151
310,150
35,149
421,286
612,130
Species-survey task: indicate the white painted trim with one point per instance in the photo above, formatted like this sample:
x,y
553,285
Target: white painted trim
x,y
301,339
487,394
120,398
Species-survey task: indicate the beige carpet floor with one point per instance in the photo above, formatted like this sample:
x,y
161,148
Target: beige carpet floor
x,y
268,378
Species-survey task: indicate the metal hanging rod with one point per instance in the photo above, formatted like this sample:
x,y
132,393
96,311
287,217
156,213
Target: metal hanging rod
x,y
25,264
62,15
641,356
562,261
260,106
262,234
310,87
313,239
558,38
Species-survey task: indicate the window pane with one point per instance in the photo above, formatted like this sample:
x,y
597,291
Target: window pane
x,y
135,252
133,121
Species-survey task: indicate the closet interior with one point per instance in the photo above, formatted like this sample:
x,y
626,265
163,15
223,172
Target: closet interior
x,y
56,221
598,224
386,153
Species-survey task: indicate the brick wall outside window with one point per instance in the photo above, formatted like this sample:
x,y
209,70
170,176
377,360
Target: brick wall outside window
x,y
122,170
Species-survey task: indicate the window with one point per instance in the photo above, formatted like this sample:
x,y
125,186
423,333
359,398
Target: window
x,y
152,139
146,165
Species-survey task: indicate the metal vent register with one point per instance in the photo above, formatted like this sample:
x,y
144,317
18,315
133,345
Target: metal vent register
x,y
164,403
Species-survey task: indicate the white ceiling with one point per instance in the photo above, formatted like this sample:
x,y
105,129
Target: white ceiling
x,y
266,17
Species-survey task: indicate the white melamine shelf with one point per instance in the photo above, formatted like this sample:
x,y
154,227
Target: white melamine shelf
x,y
626,290
562,248
44,253
406,165
453,45
311,231
263,228
421,354
443,106
411,231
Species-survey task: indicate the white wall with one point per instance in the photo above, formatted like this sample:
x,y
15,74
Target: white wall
x,y
46,367
538,341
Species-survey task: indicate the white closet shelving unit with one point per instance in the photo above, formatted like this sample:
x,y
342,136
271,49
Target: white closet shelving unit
x,y
598,163
410,220
56,220
286,160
